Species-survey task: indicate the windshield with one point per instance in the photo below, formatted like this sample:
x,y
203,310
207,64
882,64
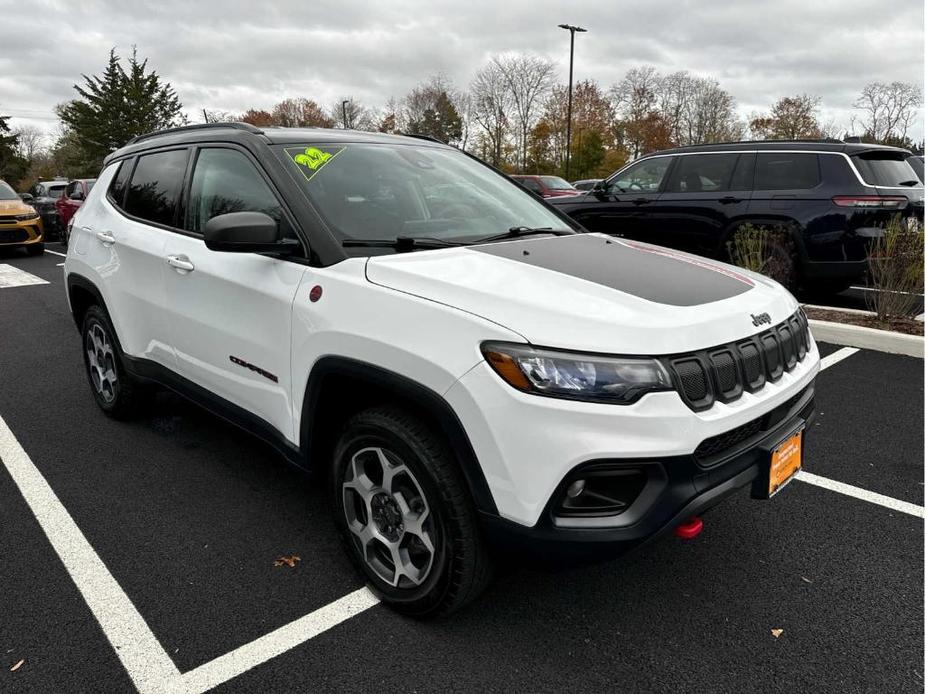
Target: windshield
x,y
7,193
556,183
375,191
886,170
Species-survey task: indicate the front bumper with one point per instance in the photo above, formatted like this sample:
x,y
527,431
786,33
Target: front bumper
x,y
683,487
22,233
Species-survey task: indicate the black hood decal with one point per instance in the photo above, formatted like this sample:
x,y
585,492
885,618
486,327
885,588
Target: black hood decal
x,y
649,272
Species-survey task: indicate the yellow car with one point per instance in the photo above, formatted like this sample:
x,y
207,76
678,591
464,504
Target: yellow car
x,y
20,224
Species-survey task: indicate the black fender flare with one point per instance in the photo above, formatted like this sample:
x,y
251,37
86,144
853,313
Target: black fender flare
x,y
432,403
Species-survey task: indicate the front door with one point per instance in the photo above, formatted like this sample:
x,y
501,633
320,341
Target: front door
x,y
231,312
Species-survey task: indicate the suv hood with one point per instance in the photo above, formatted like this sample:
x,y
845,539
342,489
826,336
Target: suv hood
x,y
593,293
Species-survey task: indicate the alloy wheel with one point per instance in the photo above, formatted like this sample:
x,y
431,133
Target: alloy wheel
x,y
101,361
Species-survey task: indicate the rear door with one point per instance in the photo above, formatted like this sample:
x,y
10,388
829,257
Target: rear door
x,y
704,195
231,312
122,237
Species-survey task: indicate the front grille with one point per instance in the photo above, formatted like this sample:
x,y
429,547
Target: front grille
x,y
712,450
13,235
8,219
724,372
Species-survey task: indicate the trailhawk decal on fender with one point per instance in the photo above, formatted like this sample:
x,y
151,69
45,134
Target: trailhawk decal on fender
x,y
256,369
649,272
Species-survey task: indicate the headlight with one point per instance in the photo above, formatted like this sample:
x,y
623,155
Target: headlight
x,y
577,376
27,216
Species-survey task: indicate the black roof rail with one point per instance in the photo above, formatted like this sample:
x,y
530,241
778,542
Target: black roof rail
x,y
819,140
198,126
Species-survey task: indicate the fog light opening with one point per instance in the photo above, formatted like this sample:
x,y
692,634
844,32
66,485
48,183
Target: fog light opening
x,y
575,489
601,492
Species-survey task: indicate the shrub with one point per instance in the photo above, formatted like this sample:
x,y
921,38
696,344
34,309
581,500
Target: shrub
x,y
896,270
768,250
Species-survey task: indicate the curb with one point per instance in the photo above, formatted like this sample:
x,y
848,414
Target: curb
x,y
868,338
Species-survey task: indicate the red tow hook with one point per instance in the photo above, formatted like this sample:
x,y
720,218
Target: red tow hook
x,y
689,529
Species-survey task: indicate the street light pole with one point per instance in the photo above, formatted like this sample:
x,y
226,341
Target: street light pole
x,y
571,64
343,106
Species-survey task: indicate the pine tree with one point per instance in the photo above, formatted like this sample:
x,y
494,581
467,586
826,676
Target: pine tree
x,y
118,105
12,166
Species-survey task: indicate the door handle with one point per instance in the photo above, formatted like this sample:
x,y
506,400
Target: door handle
x,y
105,237
729,199
641,201
180,262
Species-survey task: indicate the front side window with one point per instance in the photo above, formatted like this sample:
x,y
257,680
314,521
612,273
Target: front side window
x,y
703,173
226,181
155,187
786,171
643,177
370,191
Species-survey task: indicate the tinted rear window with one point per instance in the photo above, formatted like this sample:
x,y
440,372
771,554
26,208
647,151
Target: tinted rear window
x,y
885,169
786,171
155,187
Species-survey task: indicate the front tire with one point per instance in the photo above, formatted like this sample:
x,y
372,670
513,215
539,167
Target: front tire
x,y
114,389
405,514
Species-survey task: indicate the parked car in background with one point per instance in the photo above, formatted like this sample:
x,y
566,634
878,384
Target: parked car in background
x,y
20,223
586,184
74,194
831,198
44,195
547,186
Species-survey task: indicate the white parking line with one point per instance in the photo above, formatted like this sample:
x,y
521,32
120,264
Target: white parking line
x,y
863,494
63,255
148,665
886,291
836,357
59,265
14,277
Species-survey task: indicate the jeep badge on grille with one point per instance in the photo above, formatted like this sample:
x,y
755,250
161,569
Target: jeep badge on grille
x,y
761,319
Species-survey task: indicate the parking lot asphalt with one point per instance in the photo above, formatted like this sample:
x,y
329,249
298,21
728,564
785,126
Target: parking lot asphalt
x,y
189,514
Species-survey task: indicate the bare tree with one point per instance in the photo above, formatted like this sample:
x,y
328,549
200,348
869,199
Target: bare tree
x,y
358,116
889,109
491,103
527,79
300,113
30,142
635,97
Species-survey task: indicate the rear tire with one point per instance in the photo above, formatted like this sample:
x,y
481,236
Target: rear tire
x,y
114,389
405,515
35,249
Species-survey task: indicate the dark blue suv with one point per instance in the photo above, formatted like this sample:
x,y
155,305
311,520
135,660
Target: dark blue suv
x,y
833,197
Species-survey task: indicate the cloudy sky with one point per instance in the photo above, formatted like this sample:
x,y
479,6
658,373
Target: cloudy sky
x,y
232,55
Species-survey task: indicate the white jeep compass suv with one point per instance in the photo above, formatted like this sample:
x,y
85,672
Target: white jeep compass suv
x,y
467,368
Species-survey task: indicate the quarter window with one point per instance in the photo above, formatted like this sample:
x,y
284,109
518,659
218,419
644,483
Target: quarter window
x,y
120,182
226,181
703,173
644,177
786,171
155,187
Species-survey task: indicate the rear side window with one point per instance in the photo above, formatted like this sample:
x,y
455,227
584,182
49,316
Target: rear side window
x,y
885,169
155,187
226,181
120,182
786,171
702,173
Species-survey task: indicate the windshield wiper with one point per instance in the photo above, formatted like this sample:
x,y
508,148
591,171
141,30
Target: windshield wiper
x,y
401,244
517,232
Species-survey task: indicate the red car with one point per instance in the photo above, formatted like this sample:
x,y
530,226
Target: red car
x,y
547,186
70,201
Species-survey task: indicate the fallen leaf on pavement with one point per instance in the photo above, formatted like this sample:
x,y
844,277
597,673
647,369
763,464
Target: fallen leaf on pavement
x,y
287,561
776,632
805,579
18,665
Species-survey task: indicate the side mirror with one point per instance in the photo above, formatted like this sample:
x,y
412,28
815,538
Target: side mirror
x,y
26,197
601,188
246,232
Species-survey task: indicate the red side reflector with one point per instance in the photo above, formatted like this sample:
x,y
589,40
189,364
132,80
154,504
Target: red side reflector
x,y
315,293
689,529
888,201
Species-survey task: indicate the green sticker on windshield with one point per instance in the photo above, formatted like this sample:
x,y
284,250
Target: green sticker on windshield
x,y
309,160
